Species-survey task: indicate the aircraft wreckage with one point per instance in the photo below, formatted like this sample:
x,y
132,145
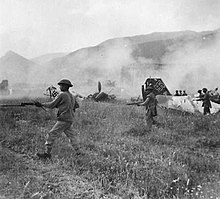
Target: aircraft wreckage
x,y
99,96
182,103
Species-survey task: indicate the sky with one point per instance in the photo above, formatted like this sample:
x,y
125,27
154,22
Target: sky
x,y
35,27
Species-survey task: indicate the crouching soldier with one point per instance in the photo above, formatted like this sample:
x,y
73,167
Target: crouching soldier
x,y
66,103
151,110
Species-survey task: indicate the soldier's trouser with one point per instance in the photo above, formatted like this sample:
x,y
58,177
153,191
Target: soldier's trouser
x,y
206,110
56,132
149,120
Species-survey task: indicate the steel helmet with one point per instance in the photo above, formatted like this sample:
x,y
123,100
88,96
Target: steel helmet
x,y
204,89
66,82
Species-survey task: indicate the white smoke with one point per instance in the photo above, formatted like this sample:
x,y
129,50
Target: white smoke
x,y
194,65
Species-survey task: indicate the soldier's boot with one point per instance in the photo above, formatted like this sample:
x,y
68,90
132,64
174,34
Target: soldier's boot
x,y
47,154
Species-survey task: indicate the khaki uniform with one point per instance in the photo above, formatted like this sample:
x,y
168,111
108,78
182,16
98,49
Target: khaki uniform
x,y
65,103
206,104
151,110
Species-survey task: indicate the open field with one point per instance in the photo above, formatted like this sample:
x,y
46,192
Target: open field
x,y
179,159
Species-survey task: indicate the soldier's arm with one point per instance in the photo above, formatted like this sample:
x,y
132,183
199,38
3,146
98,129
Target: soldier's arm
x,y
199,99
54,103
145,102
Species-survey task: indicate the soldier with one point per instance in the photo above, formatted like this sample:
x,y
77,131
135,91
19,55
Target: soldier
x,y
65,102
200,94
184,93
205,98
206,102
151,110
177,93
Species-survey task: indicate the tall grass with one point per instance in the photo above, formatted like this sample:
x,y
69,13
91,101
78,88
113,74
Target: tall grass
x,y
178,159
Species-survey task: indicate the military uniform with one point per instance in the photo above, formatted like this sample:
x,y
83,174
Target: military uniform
x,y
65,102
151,110
206,103
177,93
205,98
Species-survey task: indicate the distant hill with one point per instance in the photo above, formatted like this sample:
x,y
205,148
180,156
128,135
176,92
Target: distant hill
x,y
48,57
128,60
142,51
16,68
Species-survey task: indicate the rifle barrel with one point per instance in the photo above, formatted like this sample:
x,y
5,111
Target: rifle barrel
x,y
10,105
17,105
28,103
133,103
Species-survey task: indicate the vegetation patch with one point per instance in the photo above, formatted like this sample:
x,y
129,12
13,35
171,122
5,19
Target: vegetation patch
x,y
179,158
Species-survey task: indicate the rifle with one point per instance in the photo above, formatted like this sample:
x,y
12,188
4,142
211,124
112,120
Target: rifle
x,y
17,105
134,103
22,104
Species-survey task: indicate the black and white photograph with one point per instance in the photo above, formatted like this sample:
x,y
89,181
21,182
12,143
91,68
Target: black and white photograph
x,y
109,99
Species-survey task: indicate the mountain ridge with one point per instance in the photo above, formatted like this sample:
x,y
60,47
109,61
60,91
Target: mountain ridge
x,y
107,59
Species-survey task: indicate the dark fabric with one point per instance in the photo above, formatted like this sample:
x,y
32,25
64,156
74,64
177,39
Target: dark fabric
x,y
206,110
206,101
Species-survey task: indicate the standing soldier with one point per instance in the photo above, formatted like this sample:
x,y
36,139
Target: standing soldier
x,y
205,98
201,95
151,110
177,93
206,102
184,93
65,102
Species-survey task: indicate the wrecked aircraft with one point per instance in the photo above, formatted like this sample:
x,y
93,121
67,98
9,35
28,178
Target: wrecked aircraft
x,y
101,96
181,103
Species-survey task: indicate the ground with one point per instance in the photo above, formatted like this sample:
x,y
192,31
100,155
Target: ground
x,y
178,159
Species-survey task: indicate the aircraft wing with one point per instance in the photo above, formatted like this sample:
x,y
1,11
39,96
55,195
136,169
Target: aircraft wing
x,y
184,103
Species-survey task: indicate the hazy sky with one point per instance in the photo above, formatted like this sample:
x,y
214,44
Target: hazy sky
x,y
36,27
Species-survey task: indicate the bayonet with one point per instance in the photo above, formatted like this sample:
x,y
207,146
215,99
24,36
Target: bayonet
x,y
23,104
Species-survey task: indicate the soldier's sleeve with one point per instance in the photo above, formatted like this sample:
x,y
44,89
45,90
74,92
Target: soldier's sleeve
x,y
145,102
54,103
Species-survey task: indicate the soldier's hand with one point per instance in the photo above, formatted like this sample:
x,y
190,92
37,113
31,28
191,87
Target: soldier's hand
x,y
38,104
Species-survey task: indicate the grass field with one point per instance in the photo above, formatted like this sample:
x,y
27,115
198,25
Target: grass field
x,y
179,159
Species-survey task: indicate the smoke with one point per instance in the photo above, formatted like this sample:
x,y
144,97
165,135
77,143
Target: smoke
x,y
194,65
189,64
86,67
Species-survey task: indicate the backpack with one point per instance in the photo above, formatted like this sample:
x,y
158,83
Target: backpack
x,y
76,105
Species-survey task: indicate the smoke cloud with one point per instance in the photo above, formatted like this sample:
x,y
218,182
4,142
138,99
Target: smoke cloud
x,y
186,66
194,65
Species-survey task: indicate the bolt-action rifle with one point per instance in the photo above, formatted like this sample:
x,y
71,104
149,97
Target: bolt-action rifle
x,y
22,104
17,105
134,103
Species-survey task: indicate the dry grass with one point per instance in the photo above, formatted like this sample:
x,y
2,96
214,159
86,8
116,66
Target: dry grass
x,y
178,159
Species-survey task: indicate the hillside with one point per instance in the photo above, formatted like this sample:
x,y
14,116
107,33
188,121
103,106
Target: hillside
x,y
141,56
127,60
48,57
16,68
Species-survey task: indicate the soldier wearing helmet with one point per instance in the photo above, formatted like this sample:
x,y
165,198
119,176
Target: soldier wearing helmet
x,y
151,110
206,102
65,102
205,98
177,93
184,93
